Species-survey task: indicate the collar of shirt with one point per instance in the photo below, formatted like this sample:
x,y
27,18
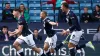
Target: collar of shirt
x,y
68,12
19,17
45,19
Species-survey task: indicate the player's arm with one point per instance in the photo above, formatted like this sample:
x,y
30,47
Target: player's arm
x,y
17,31
53,23
72,27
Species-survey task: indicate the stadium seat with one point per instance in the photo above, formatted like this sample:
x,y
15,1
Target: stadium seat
x,y
47,6
76,12
0,14
35,15
85,1
35,19
34,4
89,11
51,18
96,1
74,6
82,5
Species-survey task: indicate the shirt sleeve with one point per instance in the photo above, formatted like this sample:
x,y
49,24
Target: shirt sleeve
x,y
47,20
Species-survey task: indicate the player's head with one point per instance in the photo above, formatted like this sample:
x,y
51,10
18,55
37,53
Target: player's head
x,y
64,6
7,5
85,9
43,14
16,13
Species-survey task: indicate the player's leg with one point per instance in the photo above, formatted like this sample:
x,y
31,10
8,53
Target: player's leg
x,y
89,44
74,39
53,44
46,49
17,46
62,43
47,46
29,40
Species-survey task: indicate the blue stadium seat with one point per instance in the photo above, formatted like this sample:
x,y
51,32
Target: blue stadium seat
x,y
45,0
35,19
76,12
89,11
0,15
96,1
35,15
74,6
34,5
85,1
56,15
47,6
0,6
22,0
51,18
34,0
82,5
56,12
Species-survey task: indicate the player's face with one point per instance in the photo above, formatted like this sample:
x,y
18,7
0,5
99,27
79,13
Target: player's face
x,y
42,15
15,14
63,8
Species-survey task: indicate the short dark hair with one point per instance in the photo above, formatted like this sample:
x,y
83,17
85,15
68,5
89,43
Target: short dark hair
x,y
45,12
98,6
36,29
65,5
4,27
7,3
16,10
98,28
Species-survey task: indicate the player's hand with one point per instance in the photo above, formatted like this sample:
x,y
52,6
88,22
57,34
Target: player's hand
x,y
11,35
64,32
56,23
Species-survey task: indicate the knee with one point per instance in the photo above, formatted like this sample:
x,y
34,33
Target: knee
x,y
15,44
52,50
46,46
70,45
